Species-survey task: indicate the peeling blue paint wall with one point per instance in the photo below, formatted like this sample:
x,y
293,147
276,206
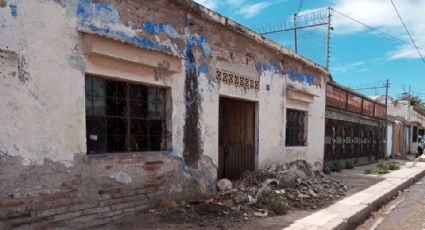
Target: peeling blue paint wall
x,y
13,10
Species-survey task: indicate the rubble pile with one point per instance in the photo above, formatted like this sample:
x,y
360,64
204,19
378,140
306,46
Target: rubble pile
x,y
295,185
267,192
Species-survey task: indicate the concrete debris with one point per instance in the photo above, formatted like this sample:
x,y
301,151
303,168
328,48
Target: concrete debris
x,y
269,192
422,158
224,185
260,212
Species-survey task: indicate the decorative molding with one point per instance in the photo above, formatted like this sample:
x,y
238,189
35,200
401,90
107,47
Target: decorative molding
x,y
237,80
330,114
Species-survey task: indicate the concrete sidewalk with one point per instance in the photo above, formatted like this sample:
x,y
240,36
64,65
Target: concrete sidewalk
x,y
353,210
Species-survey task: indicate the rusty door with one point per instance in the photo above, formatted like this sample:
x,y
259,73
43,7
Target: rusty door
x,y
236,137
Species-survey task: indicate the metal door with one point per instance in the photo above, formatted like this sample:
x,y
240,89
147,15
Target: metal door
x,y
236,137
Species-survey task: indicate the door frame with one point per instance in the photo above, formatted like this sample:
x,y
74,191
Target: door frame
x,y
256,130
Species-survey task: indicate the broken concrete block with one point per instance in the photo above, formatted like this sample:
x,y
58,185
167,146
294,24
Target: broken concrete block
x,y
224,185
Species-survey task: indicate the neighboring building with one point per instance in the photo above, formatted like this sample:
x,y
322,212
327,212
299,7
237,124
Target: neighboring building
x,y
107,105
407,123
355,126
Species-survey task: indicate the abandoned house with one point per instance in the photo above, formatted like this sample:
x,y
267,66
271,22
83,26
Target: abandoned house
x,y
110,104
355,126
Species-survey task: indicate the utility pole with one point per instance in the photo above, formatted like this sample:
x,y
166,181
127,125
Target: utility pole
x,y
409,103
295,33
387,85
328,39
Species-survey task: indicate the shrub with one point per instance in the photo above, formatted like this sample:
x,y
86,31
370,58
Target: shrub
x,y
337,166
349,164
273,201
383,167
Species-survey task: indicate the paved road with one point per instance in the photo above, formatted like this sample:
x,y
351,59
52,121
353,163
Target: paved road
x,y
407,211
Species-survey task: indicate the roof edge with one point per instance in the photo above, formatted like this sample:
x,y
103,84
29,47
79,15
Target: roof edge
x,y
215,17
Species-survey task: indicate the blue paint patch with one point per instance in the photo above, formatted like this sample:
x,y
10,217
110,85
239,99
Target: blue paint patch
x,y
153,28
301,77
103,18
169,30
130,24
203,69
206,48
181,161
264,67
13,10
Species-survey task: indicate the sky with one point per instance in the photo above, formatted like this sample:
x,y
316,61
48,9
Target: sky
x,y
360,57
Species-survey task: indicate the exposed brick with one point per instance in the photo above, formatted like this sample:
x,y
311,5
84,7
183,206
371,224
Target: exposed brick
x,y
96,210
84,219
13,213
76,207
136,198
13,203
110,202
105,196
56,203
123,205
142,207
141,202
129,210
146,190
51,212
68,215
115,218
98,222
110,213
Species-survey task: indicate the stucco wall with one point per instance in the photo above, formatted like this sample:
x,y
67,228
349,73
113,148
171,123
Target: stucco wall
x,y
44,47
49,103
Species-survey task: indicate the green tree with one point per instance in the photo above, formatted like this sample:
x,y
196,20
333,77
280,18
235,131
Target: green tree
x,y
415,100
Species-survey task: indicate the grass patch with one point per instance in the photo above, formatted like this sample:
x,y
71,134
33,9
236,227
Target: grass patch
x,y
383,167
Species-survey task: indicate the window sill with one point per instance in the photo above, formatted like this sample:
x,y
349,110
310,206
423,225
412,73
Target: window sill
x,y
296,147
125,154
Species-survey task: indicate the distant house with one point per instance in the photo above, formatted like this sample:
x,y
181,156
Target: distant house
x,y
406,123
355,126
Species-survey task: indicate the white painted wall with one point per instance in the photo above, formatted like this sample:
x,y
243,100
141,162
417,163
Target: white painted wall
x,y
44,116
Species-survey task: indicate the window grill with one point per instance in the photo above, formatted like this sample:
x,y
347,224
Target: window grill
x,y
124,117
295,128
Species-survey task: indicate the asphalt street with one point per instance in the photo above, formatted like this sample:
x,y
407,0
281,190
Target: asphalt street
x,y
407,211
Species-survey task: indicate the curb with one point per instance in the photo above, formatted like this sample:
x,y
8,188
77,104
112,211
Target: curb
x,y
358,218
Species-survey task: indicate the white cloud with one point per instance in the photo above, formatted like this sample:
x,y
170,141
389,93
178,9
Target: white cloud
x,y
235,3
350,66
381,14
212,4
251,10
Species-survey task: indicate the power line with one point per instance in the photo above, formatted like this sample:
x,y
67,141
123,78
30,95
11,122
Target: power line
x,y
408,33
373,28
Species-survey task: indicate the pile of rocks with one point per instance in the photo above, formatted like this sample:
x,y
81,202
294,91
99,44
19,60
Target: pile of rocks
x,y
296,185
268,192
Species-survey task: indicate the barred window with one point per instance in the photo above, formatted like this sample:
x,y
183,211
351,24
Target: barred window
x,y
295,128
124,117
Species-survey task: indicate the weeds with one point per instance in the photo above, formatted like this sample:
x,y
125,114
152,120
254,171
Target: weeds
x,y
383,167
